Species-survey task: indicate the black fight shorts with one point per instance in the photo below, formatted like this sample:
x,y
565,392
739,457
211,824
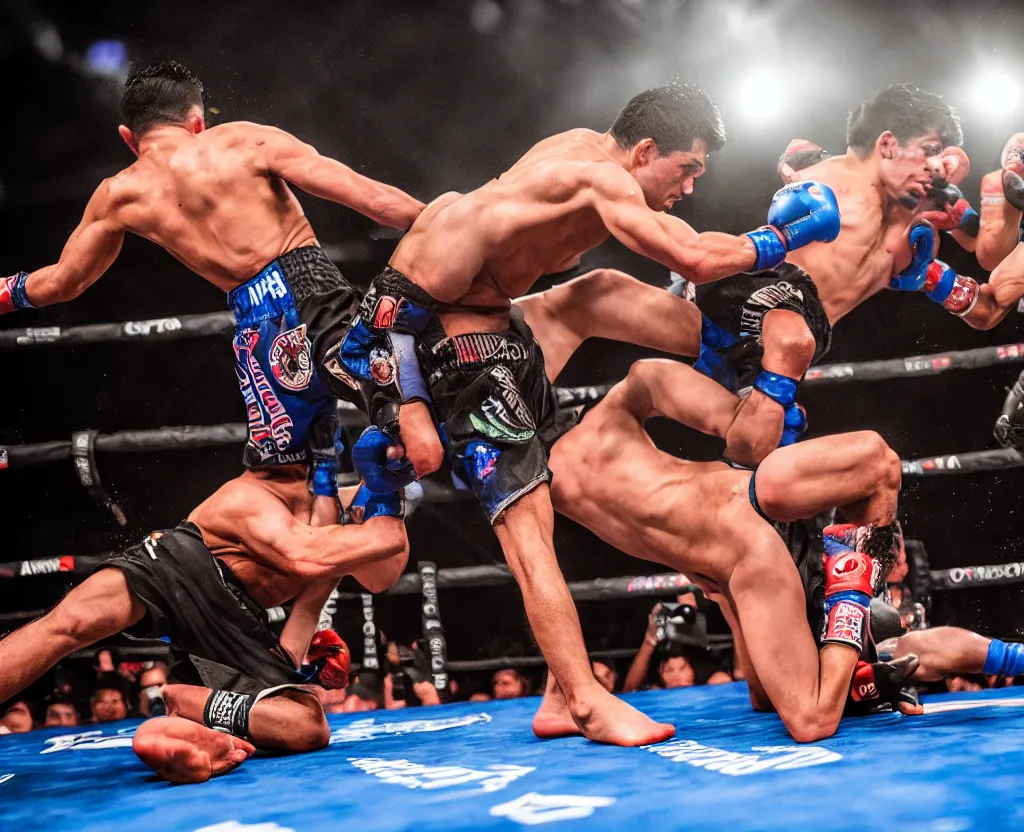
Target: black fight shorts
x,y
498,411
219,636
738,305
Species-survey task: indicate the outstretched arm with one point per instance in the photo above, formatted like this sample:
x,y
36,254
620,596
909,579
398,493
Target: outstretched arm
x,y
700,258
998,297
303,166
88,253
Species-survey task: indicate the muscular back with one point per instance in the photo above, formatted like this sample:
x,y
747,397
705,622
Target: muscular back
x,y
490,245
211,201
871,247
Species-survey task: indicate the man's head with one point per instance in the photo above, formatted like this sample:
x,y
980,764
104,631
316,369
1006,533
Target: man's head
x,y
159,95
605,675
107,704
668,132
60,713
508,684
674,671
906,128
16,717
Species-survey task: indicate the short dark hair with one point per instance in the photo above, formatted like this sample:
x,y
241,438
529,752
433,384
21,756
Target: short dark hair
x,y
673,115
907,111
161,93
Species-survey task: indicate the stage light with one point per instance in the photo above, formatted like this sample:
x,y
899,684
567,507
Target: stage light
x,y
108,58
996,92
758,100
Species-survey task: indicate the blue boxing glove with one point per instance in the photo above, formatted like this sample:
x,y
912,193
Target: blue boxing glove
x,y
370,458
958,294
800,213
922,249
794,424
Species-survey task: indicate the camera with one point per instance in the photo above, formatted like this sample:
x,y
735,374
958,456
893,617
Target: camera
x,y
681,624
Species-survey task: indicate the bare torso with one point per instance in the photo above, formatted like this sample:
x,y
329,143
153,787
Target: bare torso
x,y
223,518
648,503
872,245
488,246
210,202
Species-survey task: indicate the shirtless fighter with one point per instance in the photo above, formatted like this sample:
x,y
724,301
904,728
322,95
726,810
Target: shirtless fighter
x,y
218,200
765,328
449,284
206,584
714,523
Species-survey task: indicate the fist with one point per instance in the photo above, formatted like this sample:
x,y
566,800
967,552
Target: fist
x,y
329,653
953,165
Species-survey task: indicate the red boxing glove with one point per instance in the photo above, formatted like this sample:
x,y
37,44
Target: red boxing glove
x,y
847,570
952,212
883,683
329,653
1012,160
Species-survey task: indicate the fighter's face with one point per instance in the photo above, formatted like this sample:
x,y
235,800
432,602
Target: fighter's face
x,y
908,168
666,178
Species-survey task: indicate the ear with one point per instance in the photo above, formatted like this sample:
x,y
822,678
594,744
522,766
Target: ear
x,y
887,145
128,138
194,123
644,152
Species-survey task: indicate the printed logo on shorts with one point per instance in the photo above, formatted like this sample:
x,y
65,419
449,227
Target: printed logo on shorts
x,y
504,413
386,312
291,359
382,366
484,459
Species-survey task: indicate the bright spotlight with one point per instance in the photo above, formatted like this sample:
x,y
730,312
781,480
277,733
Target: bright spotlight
x,y
757,99
996,93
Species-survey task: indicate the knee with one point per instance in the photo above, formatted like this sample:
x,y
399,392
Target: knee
x,y
310,731
882,462
603,282
810,725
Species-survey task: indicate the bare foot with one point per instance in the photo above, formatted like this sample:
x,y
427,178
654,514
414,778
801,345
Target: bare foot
x,y
182,751
608,719
553,718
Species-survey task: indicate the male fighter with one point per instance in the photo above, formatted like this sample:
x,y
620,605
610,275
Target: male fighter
x,y
218,200
766,327
714,523
206,584
449,284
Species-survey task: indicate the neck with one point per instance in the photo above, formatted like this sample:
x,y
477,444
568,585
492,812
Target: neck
x,y
610,146
160,137
869,167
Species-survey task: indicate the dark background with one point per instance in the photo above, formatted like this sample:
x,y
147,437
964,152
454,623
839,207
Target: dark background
x,y
435,96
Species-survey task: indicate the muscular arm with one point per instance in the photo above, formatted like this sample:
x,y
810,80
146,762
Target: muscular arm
x,y
1000,223
268,532
700,258
302,165
305,615
660,387
998,297
88,253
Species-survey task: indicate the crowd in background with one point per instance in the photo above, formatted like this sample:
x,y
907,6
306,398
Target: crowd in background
x,y
675,652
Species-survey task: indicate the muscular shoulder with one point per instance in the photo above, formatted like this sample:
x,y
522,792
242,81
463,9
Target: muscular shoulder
x,y
608,180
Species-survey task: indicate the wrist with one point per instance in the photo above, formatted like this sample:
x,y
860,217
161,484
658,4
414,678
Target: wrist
x,y
13,293
769,247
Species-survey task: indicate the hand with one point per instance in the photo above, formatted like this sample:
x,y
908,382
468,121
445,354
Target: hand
x,y
330,660
651,636
104,661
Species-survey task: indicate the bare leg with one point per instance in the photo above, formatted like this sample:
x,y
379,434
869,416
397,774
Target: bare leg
x,y
100,606
788,350
525,532
807,686
944,651
606,303
181,751
858,472
289,721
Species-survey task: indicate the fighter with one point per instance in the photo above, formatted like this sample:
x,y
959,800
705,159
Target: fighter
x,y
764,329
449,285
206,584
219,201
714,523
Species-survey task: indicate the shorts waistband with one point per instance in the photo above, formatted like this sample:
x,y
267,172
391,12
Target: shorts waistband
x,y
265,296
392,282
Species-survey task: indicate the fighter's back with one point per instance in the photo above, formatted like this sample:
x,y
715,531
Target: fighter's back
x,y
493,243
210,201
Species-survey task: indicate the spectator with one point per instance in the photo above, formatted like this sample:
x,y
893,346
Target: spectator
x,y
60,713
152,677
17,717
108,702
480,696
362,694
605,675
509,683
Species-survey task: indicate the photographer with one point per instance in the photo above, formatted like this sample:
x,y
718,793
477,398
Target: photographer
x,y
676,644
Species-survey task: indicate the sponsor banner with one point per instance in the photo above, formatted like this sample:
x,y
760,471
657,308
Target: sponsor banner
x,y
90,740
967,575
419,776
369,729
157,326
737,764
533,809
